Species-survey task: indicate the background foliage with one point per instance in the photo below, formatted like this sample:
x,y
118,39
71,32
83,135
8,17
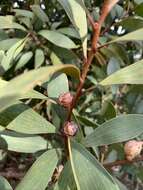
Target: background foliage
x,y
42,47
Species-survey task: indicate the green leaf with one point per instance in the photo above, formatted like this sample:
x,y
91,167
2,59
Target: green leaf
x,y
58,39
121,185
108,111
10,113
30,94
58,86
94,176
6,22
8,43
24,59
21,143
4,185
20,85
40,13
66,180
139,10
132,36
40,173
39,58
129,23
131,74
30,122
33,94
55,59
23,13
77,15
69,32
12,53
119,129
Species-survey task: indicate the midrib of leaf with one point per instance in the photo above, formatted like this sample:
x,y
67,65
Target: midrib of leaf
x,y
72,165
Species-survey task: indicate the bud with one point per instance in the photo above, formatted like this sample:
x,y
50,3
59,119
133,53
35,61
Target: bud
x,y
133,149
66,99
70,128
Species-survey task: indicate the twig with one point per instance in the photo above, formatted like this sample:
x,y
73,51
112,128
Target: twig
x,y
122,162
107,6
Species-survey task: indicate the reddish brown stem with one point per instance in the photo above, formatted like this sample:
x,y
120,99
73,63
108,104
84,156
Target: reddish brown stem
x,y
122,162
107,6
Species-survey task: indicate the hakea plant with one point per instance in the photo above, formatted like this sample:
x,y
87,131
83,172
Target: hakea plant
x,y
69,157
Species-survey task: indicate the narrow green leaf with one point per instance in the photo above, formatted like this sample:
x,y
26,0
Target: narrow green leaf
x,y
30,122
58,39
8,43
4,185
94,176
39,58
66,180
77,16
12,53
132,36
40,173
6,22
24,60
139,10
69,32
61,84
119,129
24,13
21,143
40,13
33,94
20,85
131,74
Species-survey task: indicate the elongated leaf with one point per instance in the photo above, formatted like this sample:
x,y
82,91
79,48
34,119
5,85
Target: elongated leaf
x,y
12,53
30,122
40,13
24,59
40,173
21,143
39,58
24,13
58,39
69,32
25,82
66,180
94,176
8,43
116,130
7,22
10,113
4,185
77,15
33,94
132,36
131,74
62,86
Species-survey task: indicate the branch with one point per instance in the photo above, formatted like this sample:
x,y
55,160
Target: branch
x,y
107,6
122,162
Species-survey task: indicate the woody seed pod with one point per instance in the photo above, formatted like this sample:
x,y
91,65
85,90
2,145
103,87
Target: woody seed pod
x,y
66,99
132,149
70,128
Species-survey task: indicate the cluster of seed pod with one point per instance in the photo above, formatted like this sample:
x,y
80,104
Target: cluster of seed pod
x,y
66,100
132,149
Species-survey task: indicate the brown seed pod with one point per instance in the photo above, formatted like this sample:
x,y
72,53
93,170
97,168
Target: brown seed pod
x,y
70,128
65,99
132,149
